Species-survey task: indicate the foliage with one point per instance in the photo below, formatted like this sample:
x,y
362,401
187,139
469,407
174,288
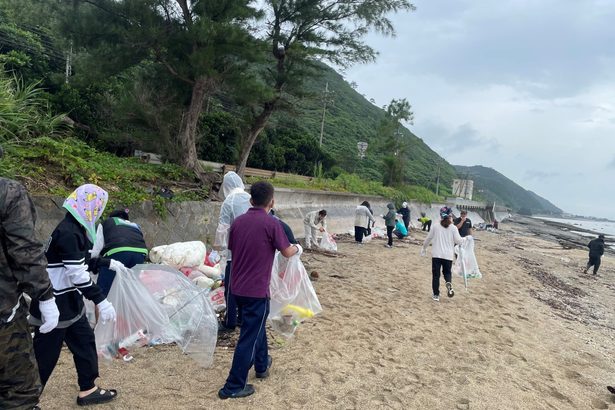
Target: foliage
x,y
46,165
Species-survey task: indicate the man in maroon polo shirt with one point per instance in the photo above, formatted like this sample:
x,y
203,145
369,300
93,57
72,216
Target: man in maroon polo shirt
x,y
253,240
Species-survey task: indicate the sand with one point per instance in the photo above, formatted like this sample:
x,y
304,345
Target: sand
x,y
533,333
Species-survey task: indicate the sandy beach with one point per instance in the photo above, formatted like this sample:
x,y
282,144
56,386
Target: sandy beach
x,y
533,333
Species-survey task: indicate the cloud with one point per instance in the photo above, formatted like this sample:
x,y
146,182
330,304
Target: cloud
x,y
539,174
612,163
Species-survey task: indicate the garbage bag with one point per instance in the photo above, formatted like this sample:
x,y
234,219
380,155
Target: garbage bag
x,y
466,259
180,254
293,298
191,316
140,318
327,242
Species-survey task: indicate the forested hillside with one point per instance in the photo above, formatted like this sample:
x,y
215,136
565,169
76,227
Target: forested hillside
x,y
490,185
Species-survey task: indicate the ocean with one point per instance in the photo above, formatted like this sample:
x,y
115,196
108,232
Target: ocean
x,y
607,228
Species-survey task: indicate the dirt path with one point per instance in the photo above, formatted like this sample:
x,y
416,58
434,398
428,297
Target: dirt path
x,y
534,333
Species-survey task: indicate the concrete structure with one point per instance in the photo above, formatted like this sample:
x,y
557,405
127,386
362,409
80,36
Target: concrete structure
x,y
463,188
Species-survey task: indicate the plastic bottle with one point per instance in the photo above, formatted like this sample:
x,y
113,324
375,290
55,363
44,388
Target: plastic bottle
x,y
302,313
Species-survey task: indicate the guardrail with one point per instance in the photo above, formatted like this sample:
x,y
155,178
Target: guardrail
x,y
252,172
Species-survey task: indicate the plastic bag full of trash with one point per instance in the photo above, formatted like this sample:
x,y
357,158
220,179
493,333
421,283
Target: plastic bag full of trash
x,y
190,313
293,298
466,260
140,318
327,242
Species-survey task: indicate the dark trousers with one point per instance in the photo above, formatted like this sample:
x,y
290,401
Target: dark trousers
x,y
20,386
106,275
79,338
438,264
406,221
251,347
359,233
390,234
426,226
595,262
233,314
399,234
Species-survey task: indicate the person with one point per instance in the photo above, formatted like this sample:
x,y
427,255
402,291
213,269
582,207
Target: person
x,y
362,219
425,222
495,224
287,230
118,238
254,237
445,236
310,224
389,221
67,254
463,224
236,203
405,213
370,225
596,250
400,229
22,270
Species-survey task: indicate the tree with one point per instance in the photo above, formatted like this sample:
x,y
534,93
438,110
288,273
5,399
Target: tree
x,y
199,44
301,33
394,144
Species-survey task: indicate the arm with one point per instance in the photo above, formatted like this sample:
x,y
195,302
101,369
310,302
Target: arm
x,y
224,226
27,257
456,237
73,256
460,223
291,250
429,238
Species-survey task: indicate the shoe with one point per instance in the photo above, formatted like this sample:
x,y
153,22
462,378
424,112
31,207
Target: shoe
x,y
611,389
98,396
387,246
436,298
265,374
247,391
449,290
224,330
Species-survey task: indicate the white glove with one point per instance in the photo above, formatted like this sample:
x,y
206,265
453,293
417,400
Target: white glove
x,y
49,315
299,250
107,311
116,266
422,251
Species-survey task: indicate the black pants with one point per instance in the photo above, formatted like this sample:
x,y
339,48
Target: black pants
x,y
233,315
426,226
359,233
436,265
20,386
390,235
406,221
399,234
251,347
79,338
595,262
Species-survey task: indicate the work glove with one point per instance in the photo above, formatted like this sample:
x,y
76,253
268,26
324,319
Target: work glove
x,y
95,263
116,266
49,315
299,250
423,252
107,311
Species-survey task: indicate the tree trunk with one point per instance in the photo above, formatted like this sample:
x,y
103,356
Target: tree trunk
x,y
257,126
188,129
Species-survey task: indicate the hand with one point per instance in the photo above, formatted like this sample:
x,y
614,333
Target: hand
x,y
107,311
95,263
116,266
299,250
422,251
322,229
49,315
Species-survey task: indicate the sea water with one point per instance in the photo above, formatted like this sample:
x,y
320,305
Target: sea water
x,y
607,228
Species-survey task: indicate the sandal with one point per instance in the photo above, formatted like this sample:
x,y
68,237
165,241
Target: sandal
x,y
98,396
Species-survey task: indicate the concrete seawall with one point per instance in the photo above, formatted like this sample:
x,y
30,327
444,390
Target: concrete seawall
x,y
187,221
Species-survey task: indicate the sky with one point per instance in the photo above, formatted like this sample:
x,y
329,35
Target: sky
x,y
525,87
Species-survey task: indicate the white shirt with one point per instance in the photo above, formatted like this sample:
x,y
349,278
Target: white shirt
x,y
444,241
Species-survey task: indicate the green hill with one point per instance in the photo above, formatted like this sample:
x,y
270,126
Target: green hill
x,y
490,185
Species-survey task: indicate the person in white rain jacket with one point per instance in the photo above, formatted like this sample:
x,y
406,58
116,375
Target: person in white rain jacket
x,y
311,222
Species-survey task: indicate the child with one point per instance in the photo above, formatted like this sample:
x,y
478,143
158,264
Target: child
x,y
445,236
253,239
389,220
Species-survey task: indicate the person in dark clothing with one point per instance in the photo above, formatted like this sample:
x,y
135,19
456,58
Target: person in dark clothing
x,y
404,211
463,224
389,221
22,270
370,225
425,222
596,250
118,238
67,255
289,232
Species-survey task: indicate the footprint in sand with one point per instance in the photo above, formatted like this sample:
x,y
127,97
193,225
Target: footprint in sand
x,y
599,404
463,404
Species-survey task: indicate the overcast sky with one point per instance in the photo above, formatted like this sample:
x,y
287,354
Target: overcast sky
x,y
526,87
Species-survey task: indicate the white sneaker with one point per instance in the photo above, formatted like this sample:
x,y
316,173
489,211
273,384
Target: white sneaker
x,y
387,246
449,290
436,298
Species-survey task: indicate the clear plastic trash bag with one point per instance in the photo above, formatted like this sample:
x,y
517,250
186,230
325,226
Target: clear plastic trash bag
x,y
466,260
191,316
293,298
327,242
140,318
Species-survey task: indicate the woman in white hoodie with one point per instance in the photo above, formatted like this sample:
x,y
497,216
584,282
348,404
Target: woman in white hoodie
x,y
445,236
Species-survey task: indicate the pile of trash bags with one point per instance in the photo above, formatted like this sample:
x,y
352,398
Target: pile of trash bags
x,y
293,298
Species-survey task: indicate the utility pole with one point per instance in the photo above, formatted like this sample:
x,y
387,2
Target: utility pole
x,y
438,181
324,111
69,68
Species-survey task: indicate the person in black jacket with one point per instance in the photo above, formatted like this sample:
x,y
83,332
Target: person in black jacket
x,y
596,250
67,256
404,211
119,239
